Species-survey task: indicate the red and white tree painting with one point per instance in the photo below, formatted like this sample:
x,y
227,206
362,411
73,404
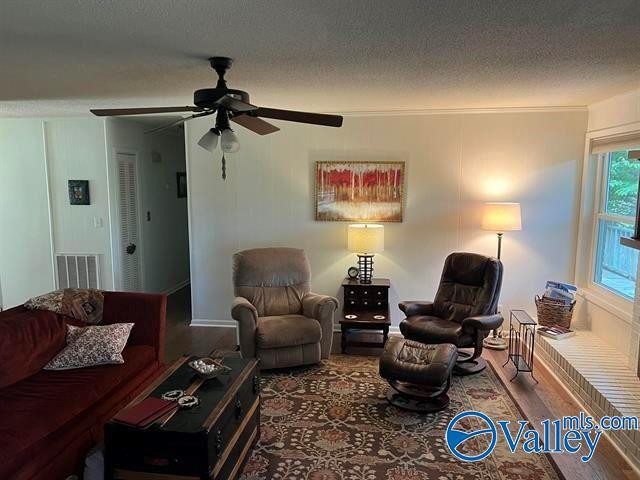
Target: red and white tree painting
x,y
359,191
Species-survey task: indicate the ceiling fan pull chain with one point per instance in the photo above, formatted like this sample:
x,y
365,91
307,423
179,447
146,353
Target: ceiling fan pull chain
x,y
224,168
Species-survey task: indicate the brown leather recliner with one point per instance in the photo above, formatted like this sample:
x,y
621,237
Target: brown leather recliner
x,y
279,320
463,311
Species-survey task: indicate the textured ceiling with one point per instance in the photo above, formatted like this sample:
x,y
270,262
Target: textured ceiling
x,y
61,57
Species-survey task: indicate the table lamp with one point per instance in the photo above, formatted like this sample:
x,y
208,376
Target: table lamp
x,y
500,217
365,240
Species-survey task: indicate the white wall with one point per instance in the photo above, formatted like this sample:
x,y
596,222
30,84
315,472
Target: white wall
x,y
620,110
38,157
76,151
607,315
454,163
26,268
165,239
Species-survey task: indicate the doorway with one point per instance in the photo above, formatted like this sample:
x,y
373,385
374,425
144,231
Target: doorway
x,y
148,206
129,229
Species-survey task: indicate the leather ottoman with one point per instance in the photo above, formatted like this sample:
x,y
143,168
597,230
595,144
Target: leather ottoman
x,y
419,374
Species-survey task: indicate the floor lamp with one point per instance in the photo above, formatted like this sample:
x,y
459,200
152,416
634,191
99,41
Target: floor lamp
x,y
500,217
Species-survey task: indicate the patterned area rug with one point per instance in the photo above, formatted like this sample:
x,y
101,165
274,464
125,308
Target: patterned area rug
x,y
333,422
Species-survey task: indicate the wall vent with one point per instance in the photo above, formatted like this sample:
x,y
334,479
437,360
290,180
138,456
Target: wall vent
x,y
77,270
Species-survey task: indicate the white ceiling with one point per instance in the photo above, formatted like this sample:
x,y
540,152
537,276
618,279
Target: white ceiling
x,y
62,57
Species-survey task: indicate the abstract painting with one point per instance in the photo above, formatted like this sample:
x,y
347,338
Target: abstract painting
x,y
359,191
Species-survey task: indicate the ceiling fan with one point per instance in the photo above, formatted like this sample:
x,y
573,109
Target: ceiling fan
x,y
229,105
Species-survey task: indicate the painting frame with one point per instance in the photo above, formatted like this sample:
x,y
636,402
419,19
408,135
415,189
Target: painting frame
x,y
79,192
320,203
181,184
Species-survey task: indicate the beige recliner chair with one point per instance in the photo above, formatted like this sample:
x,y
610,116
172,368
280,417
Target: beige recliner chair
x,y
279,320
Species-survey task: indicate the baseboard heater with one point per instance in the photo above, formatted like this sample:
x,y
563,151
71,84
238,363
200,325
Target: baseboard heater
x,y
77,270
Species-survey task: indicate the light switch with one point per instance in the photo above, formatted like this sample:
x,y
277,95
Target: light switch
x,y
97,222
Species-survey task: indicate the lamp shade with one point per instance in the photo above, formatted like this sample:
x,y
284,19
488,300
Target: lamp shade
x,y
229,142
501,217
365,238
209,140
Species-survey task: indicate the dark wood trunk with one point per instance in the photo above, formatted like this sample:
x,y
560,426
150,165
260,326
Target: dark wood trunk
x,y
210,441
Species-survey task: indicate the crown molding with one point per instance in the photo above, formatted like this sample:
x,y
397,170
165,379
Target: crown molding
x,y
357,113
458,111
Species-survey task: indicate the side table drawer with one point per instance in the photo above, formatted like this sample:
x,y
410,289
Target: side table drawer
x,y
351,303
362,292
379,293
352,292
368,303
365,303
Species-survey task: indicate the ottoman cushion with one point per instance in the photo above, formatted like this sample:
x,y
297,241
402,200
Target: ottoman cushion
x,y
419,363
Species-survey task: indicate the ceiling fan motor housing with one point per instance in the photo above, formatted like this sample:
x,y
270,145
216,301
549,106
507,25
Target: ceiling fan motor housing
x,y
206,98
221,64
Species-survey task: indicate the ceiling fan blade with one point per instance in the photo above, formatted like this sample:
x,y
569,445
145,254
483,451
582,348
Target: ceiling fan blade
x,y
113,112
300,117
178,122
255,124
235,105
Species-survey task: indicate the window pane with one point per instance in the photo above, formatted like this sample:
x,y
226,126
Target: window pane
x,y
622,185
616,265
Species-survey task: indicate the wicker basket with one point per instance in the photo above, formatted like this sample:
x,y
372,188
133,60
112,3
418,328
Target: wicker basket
x,y
554,312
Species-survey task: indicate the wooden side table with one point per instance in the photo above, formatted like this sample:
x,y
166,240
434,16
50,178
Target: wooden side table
x,y
365,307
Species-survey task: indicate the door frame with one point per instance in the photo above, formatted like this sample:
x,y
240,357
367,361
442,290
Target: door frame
x,y
114,215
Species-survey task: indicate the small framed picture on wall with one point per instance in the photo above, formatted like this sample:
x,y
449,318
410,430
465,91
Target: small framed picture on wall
x,y
79,192
181,182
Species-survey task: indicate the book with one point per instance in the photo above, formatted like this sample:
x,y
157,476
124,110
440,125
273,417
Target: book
x,y
564,292
146,412
555,331
567,287
558,294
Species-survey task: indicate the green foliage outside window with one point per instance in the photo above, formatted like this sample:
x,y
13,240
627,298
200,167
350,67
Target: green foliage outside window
x,y
623,184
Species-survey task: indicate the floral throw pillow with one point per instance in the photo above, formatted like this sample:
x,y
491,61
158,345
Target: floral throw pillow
x,y
51,301
90,346
84,304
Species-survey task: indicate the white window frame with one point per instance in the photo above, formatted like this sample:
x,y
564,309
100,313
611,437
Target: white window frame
x,y
600,213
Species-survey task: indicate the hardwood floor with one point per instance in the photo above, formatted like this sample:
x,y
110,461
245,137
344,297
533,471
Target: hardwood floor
x,y
538,402
181,338
548,399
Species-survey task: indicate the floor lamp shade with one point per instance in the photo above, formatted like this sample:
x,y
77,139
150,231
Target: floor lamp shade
x,y
365,240
501,217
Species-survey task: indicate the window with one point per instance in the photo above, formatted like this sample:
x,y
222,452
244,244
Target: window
x,y
615,265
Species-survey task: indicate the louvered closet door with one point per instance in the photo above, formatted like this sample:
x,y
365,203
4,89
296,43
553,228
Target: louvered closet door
x,y
129,235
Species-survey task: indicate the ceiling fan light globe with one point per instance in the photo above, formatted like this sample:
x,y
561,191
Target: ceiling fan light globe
x,y
209,140
229,142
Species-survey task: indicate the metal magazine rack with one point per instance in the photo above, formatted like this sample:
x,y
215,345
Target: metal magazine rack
x,y
522,339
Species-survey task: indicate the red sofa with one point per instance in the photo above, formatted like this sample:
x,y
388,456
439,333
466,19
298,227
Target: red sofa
x,y
49,420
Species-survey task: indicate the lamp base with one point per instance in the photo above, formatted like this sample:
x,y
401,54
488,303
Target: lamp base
x,y
365,267
495,343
